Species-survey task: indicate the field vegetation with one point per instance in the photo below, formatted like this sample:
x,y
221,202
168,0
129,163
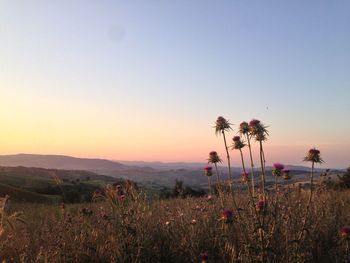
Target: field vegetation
x,y
281,223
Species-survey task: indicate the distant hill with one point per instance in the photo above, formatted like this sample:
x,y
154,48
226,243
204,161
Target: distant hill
x,y
153,174
58,162
50,185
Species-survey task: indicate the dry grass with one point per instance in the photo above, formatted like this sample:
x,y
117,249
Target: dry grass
x,y
179,230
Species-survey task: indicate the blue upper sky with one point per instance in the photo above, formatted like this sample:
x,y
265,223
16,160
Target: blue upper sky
x,y
183,62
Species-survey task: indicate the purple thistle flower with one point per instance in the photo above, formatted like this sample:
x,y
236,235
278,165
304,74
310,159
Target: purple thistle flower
x,y
313,156
278,166
227,215
204,256
244,128
258,130
254,122
277,169
237,143
208,170
236,138
214,157
222,125
345,233
261,205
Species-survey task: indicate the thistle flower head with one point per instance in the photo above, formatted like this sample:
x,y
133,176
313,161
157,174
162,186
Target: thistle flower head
x,y
208,170
237,143
204,256
222,125
277,169
227,215
214,157
313,156
345,233
286,174
261,205
244,128
258,130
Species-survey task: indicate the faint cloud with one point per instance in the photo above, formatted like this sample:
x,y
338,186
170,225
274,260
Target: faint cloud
x,y
116,33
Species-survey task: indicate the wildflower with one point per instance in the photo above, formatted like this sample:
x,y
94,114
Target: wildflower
x,y
86,211
222,125
277,169
261,205
193,222
244,177
227,216
286,174
345,233
214,157
208,171
313,156
204,257
237,143
254,123
244,128
210,198
167,223
258,130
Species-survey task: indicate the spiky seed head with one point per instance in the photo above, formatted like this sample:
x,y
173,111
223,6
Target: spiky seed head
x,y
277,169
214,157
244,128
258,130
237,143
313,155
222,125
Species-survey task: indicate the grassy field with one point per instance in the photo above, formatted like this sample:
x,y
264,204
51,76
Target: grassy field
x,y
127,228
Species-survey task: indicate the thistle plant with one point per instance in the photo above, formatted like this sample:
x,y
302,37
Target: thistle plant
x,y
204,257
312,156
260,133
286,174
238,144
244,131
227,216
221,126
277,169
345,233
208,173
215,159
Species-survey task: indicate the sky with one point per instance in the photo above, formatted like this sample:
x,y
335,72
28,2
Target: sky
x,y
146,80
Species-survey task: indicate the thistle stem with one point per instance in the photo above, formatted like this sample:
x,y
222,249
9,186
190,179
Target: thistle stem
x,y
301,235
220,193
262,170
209,183
251,165
228,159
217,173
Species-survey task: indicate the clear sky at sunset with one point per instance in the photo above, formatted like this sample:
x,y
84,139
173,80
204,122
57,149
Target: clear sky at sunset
x,y
146,80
